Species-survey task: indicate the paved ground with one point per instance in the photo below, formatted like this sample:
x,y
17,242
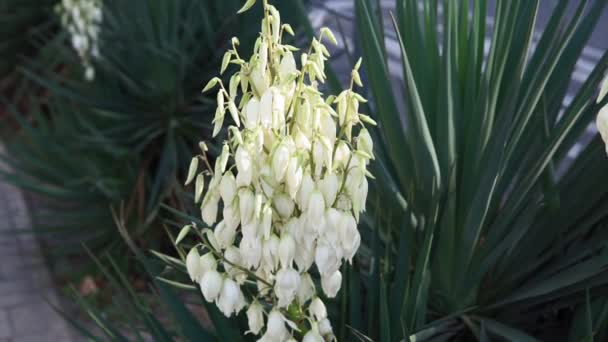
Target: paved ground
x,y
26,289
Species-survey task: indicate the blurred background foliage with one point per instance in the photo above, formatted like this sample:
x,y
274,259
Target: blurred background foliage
x,y
478,228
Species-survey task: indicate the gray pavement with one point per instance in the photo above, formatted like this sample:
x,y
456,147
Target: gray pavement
x,y
26,288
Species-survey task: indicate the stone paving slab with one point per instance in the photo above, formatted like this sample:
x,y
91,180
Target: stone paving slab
x,y
26,287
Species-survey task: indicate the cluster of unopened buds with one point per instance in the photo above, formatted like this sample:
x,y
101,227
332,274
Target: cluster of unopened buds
x,y
82,19
602,116
291,182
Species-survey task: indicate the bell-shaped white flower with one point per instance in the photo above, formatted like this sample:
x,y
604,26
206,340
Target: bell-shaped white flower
x,y
246,205
331,284
228,188
266,109
270,252
304,255
232,256
231,299
286,286
301,140
313,336
306,188
326,259
284,204
318,156
211,285
307,288
316,205
255,317
207,263
251,252
244,166
329,186
275,327
280,162
287,66
193,264
287,247
224,234
325,328
294,177
252,113
317,309
342,155
209,209
232,215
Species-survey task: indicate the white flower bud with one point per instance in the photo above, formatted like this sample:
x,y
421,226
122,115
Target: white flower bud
x,y
331,284
283,204
252,113
276,326
246,205
280,162
231,299
329,187
244,167
193,264
365,143
255,317
326,259
211,285
317,309
209,209
286,286
602,124
228,188
287,247
307,288
251,252
294,177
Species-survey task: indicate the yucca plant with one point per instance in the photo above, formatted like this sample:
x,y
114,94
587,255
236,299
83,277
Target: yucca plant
x,y
482,227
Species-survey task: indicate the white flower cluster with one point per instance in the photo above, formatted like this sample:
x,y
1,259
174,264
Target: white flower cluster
x,y
293,195
82,19
602,116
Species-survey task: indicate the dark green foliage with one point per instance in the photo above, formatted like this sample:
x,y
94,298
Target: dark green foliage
x,y
501,242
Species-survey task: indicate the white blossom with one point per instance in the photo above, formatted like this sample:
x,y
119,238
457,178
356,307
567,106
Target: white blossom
x,y
255,317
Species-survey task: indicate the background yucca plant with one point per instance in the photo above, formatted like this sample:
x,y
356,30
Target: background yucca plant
x,y
481,228
128,135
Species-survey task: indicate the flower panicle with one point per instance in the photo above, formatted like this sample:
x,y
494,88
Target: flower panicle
x,y
287,189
